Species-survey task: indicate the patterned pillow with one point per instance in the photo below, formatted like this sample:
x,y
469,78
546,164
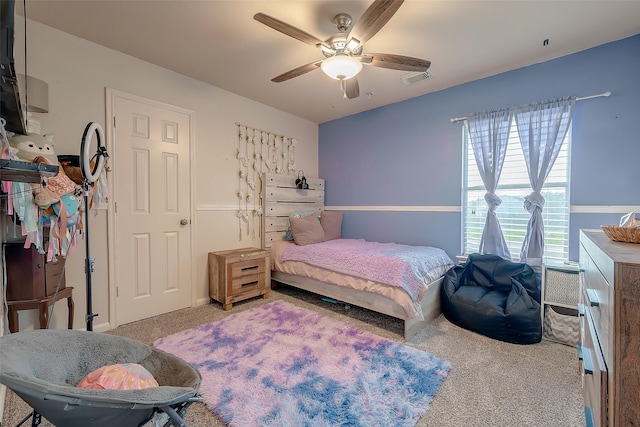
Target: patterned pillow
x,y
59,184
123,376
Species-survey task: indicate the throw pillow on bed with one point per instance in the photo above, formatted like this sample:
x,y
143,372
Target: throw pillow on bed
x,y
298,214
306,230
331,222
123,376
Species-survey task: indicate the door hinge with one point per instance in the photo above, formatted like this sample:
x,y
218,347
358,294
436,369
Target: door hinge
x,y
114,121
115,207
117,292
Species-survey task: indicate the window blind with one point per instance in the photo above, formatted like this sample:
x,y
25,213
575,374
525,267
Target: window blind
x,y
513,187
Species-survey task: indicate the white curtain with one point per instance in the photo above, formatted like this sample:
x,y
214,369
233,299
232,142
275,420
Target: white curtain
x,y
542,129
489,134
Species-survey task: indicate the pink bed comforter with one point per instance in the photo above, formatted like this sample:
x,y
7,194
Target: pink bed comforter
x,y
387,263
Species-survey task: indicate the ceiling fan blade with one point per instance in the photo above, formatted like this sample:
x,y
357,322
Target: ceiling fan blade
x,y
396,62
373,19
296,72
352,88
289,30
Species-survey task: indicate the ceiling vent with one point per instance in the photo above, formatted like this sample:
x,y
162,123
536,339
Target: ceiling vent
x,y
411,78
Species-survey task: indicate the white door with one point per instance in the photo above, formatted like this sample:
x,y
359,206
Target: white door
x,y
152,195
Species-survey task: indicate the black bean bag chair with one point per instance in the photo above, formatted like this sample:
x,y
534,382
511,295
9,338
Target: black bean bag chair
x,y
493,297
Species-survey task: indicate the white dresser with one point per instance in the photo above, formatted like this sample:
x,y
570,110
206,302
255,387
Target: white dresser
x,y
610,330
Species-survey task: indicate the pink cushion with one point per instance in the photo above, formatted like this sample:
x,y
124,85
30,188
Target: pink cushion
x,y
298,214
331,222
306,230
60,184
124,376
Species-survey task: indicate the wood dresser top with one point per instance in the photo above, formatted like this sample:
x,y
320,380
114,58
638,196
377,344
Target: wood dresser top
x,y
618,251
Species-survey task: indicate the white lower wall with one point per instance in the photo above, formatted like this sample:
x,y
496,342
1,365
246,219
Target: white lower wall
x,y
78,72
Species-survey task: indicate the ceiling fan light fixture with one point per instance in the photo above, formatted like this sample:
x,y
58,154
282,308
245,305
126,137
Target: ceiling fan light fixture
x,y
353,44
341,67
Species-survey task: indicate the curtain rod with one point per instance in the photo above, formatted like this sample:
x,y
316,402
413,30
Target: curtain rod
x,y
582,98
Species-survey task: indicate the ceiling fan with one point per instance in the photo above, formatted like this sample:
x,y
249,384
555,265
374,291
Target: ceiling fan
x,y
343,51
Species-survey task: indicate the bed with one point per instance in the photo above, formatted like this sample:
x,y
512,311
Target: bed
x,y
280,199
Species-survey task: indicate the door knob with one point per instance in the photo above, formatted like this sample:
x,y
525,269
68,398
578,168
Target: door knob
x,y
185,221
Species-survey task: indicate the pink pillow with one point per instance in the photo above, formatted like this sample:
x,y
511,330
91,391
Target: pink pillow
x,y
124,376
60,184
306,230
331,222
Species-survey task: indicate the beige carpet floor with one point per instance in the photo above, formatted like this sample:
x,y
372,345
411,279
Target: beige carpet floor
x,y
491,383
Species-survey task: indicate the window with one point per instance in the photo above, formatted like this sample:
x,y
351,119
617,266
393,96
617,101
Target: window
x,y
513,187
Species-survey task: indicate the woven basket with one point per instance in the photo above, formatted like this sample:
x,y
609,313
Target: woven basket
x,y
622,234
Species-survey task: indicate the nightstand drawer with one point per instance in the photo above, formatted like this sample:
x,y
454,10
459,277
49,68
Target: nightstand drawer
x,y
248,267
246,283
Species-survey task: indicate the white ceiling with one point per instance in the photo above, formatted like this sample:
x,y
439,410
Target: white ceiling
x,y
219,42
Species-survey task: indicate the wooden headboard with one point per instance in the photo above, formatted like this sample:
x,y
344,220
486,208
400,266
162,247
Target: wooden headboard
x,y
281,197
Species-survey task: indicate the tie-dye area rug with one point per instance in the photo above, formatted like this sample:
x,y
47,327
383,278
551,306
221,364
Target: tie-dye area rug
x,y
282,365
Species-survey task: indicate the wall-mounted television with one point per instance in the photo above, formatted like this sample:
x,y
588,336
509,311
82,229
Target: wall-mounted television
x,y
10,108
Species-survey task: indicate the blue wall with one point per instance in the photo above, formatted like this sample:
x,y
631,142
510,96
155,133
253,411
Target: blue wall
x,y
409,154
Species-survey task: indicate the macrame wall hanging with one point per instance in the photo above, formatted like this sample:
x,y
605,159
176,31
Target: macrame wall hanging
x,y
259,151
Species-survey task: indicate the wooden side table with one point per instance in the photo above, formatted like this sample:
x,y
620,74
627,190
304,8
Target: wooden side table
x,y
238,274
42,305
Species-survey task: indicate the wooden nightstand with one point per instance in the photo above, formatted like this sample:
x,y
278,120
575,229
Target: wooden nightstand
x,y
238,274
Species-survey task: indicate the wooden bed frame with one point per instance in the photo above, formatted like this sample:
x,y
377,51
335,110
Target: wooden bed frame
x,y
281,197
